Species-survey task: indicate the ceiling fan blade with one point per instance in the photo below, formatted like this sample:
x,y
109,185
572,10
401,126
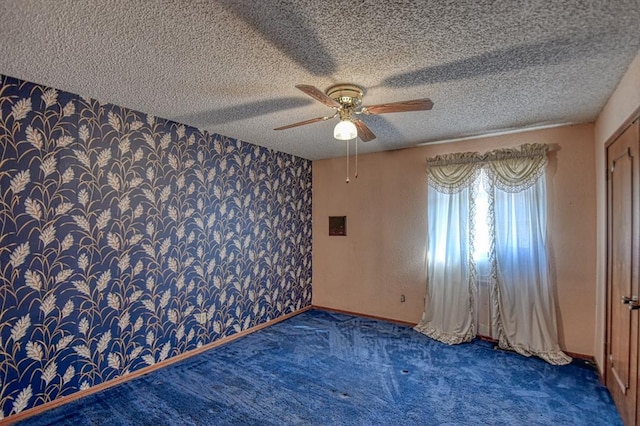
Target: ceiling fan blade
x,y
318,95
414,105
364,132
302,123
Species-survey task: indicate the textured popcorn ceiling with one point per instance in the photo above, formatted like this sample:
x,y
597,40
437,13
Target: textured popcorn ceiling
x,y
230,66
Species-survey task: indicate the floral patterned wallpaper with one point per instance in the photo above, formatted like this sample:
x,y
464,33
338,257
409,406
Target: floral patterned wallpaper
x,y
126,240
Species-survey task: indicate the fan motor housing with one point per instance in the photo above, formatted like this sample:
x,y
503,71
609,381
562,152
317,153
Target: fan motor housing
x,y
346,94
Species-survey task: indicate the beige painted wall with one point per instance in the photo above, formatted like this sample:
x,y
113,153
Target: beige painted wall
x,y
624,103
383,254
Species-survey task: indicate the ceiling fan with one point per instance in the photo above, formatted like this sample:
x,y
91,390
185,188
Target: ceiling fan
x,y
346,99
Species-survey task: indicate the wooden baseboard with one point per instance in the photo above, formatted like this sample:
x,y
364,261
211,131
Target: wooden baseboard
x,y
584,357
359,314
145,370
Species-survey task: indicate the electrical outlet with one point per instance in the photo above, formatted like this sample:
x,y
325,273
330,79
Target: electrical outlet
x,y
402,298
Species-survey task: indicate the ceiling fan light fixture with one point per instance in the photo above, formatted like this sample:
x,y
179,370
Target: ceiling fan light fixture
x,y
346,101
345,130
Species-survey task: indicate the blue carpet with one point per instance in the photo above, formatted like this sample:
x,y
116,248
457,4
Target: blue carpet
x,y
325,368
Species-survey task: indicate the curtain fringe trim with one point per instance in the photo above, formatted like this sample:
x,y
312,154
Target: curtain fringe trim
x,y
449,338
555,357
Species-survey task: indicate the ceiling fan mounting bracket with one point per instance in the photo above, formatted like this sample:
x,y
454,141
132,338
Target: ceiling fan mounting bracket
x,y
346,94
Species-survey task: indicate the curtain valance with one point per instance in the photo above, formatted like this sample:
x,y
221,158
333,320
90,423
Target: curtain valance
x,y
451,173
510,169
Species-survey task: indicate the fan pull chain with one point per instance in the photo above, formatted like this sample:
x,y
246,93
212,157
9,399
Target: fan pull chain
x,y
347,161
356,141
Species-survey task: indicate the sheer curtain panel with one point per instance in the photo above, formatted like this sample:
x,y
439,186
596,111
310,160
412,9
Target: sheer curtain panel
x,y
450,271
524,297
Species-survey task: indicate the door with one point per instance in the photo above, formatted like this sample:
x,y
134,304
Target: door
x,y
622,271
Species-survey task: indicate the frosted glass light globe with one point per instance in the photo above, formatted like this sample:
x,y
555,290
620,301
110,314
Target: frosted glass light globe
x,y
345,130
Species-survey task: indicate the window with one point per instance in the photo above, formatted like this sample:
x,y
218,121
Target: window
x,y
482,239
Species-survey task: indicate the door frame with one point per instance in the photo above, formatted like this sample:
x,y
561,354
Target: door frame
x,y
634,348
609,141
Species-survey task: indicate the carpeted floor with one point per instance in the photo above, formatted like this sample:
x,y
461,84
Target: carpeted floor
x,y
321,368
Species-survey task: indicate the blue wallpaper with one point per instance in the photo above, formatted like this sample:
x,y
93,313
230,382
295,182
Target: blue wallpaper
x,y
126,240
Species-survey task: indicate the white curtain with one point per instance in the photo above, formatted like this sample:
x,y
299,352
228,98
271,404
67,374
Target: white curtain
x,y
525,314
448,269
522,296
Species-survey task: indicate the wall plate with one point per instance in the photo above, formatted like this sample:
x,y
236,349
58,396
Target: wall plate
x,y
338,226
